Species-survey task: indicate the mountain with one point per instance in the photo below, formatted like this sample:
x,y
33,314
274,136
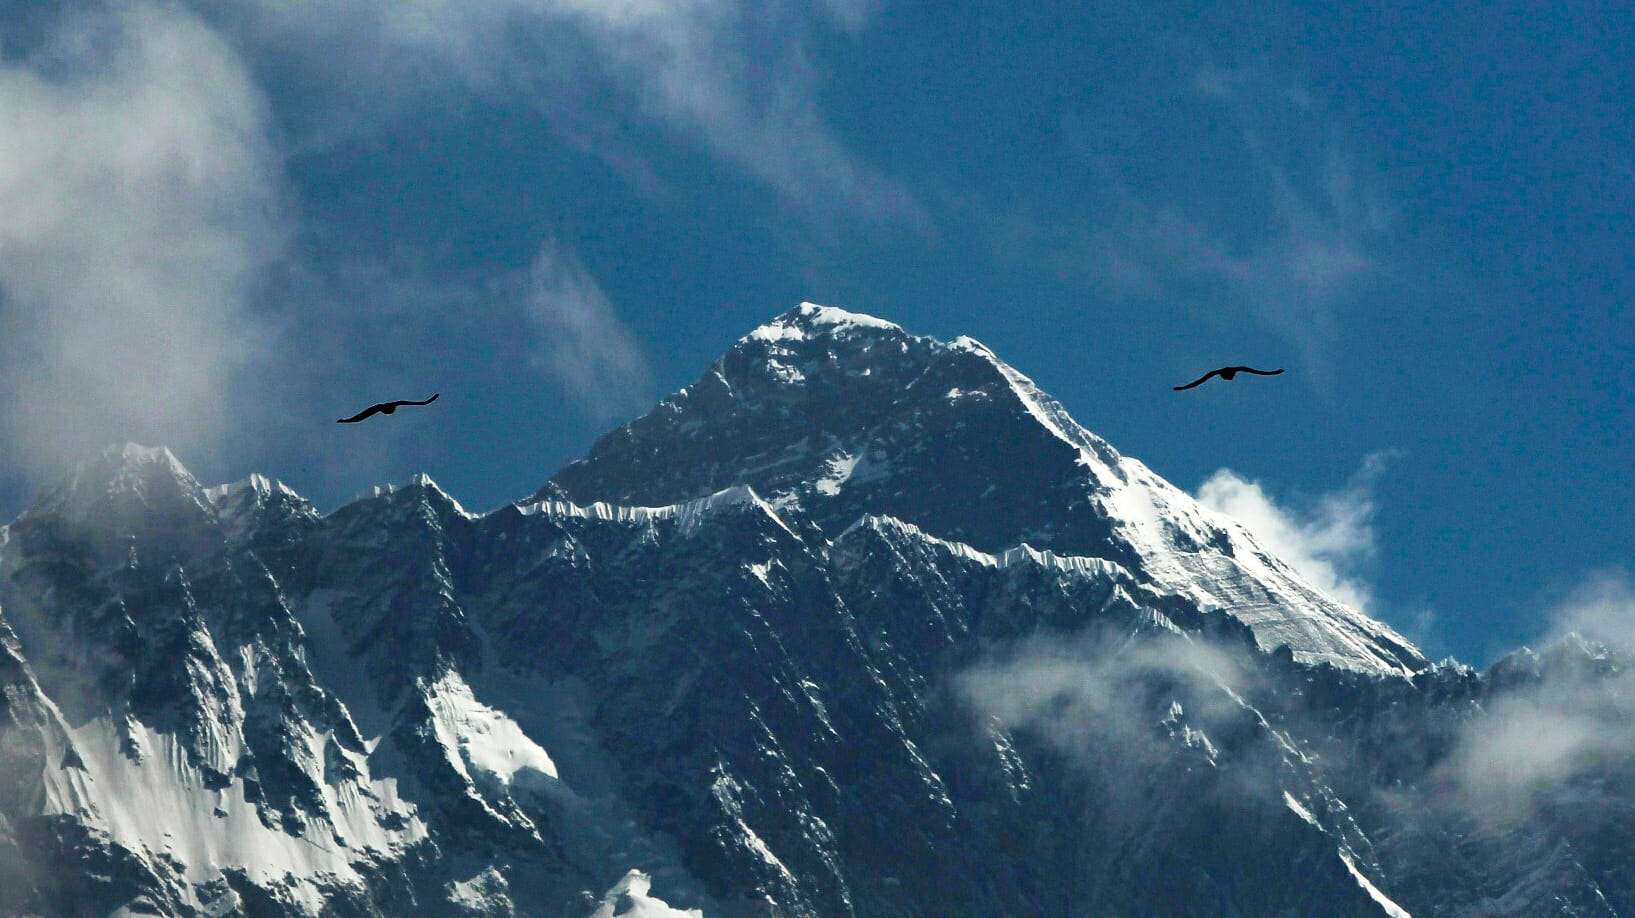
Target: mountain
x,y
861,623
837,415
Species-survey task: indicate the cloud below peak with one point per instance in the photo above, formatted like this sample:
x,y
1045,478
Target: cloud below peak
x,y
1571,717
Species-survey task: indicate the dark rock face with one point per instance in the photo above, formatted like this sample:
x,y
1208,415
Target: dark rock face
x,y
847,417
831,416
796,662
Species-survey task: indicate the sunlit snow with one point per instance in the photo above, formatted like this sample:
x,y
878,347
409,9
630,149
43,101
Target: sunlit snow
x,y
630,898
487,741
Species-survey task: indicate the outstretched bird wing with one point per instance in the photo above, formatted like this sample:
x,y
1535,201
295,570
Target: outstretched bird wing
x,y
361,415
1199,381
387,407
1257,372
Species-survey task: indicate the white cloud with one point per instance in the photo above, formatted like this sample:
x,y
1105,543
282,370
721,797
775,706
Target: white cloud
x,y
137,204
1327,542
733,75
1601,609
1102,695
1527,744
581,340
1578,719
753,106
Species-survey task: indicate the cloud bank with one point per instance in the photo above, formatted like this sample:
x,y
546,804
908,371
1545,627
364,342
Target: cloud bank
x,y
1569,715
138,202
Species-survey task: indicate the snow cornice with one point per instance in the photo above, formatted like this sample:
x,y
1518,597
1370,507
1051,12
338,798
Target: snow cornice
x,y
1017,554
688,514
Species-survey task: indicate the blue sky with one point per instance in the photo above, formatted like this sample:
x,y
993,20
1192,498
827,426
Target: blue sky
x,y
223,225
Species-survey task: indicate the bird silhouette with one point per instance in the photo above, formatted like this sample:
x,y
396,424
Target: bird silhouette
x,y
1227,373
384,408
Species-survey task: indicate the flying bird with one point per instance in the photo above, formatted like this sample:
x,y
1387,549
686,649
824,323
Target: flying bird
x,y
1227,373
384,408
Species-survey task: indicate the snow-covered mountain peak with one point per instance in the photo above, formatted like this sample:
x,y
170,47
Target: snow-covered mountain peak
x,y
838,416
137,454
1570,656
256,484
899,626
125,491
814,352
128,468
820,401
419,488
258,504
809,320
427,486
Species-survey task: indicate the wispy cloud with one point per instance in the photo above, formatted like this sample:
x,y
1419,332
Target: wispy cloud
x,y
137,204
1328,541
1099,695
734,76
581,340
1600,609
1255,204
354,327
1575,719
739,77
719,88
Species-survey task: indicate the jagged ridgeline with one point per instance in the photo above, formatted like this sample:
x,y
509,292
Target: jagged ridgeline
x,y
860,624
